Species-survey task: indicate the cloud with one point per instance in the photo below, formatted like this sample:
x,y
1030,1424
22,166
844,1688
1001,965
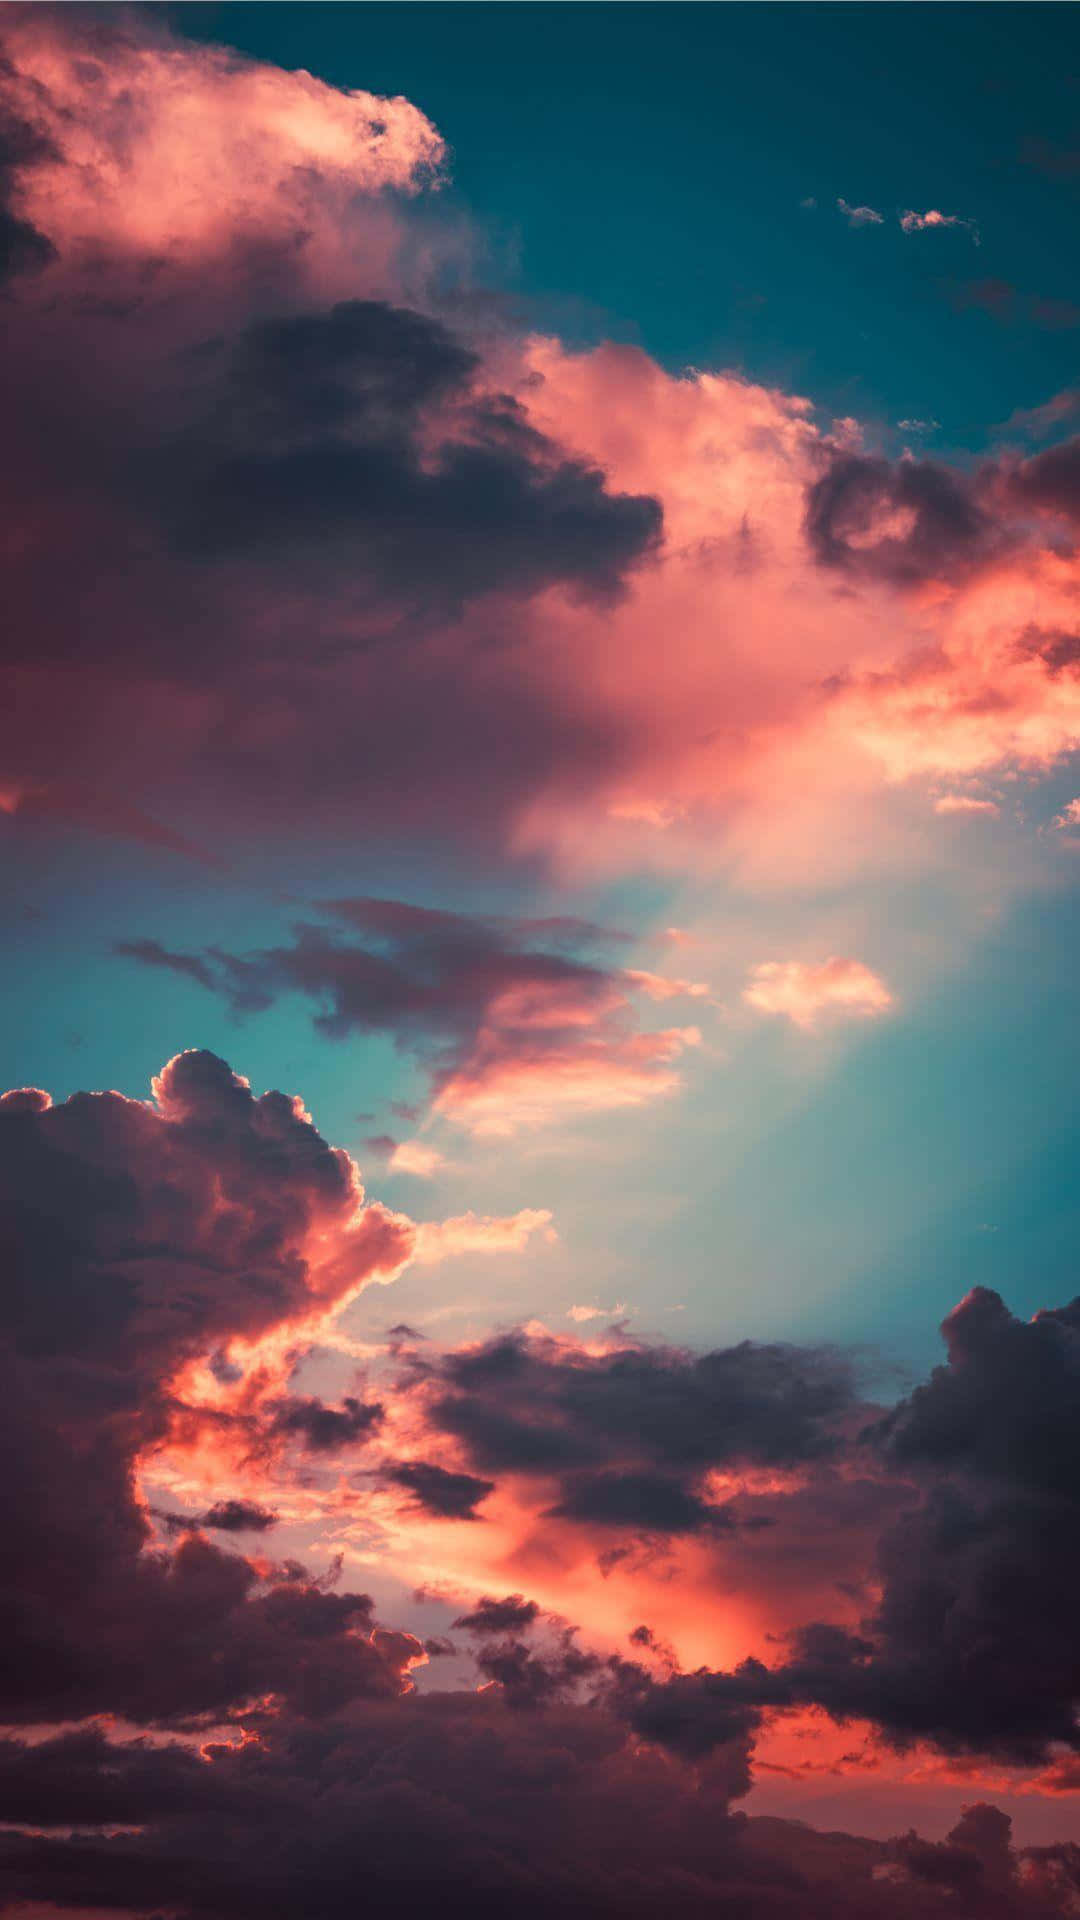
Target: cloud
x,y
638,1502
632,1415
964,803
136,135
145,1237
804,991
1068,817
325,1429
581,1314
518,1022
511,1615
310,507
361,424
1049,481
239,1516
443,1790
479,1233
860,216
415,1157
189,1252
512,1084
913,222
900,522
1035,422
438,1490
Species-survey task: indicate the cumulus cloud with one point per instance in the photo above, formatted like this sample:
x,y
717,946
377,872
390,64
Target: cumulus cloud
x,y
330,495
135,137
194,1245
803,990
143,1237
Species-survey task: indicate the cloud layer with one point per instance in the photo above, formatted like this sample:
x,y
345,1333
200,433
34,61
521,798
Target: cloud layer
x,y
190,1255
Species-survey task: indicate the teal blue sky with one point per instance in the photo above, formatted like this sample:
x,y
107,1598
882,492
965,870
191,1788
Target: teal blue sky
x,y
643,172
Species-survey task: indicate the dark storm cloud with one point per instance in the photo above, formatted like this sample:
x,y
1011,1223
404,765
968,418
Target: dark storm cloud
x,y
896,521
465,1800
238,1516
317,431
320,1427
630,1432
22,247
448,1495
642,1501
511,1615
134,1238
976,1633
973,1644
574,1781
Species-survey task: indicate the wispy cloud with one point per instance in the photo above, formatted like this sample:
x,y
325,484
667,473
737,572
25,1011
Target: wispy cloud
x,y
861,216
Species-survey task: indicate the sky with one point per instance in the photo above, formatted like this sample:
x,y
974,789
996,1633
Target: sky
x,y
540,821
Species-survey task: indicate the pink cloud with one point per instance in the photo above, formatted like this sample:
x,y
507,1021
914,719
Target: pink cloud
x,y
508,1085
803,991
913,222
156,146
811,628
414,1156
964,803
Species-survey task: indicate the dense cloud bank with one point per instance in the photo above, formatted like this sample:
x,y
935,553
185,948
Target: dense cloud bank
x,y
284,1753
342,548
